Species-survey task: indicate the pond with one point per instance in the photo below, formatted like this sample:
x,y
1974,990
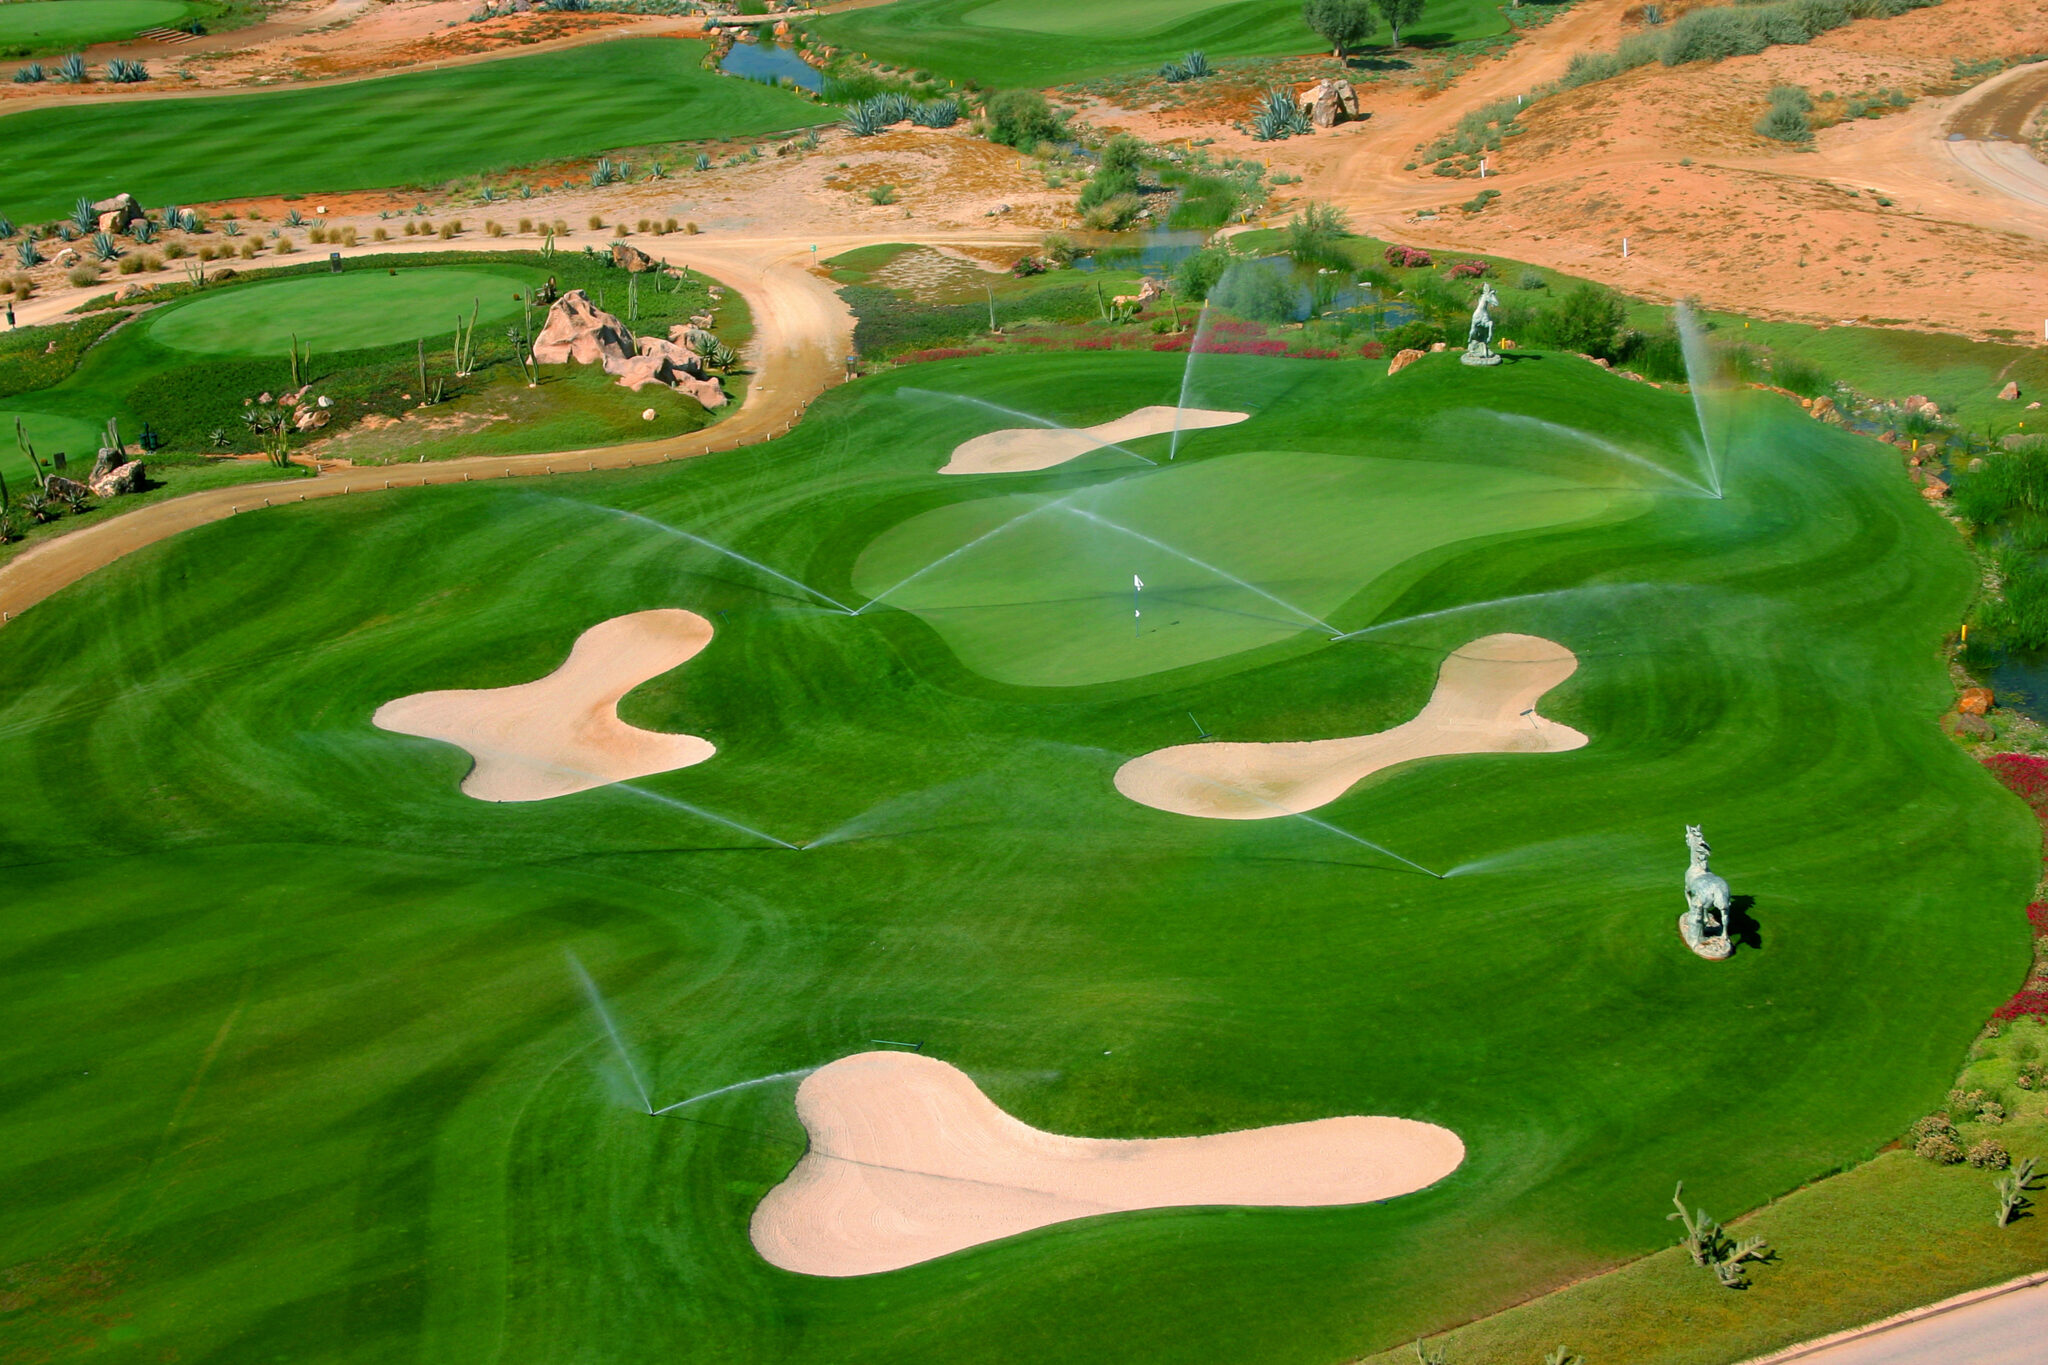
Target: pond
x,y
770,65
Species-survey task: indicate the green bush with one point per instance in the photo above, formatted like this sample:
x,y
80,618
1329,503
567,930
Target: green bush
x,y
1588,319
1116,174
1022,119
1197,274
1259,292
1412,336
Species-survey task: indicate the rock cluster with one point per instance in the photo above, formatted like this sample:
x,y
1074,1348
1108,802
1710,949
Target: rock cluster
x,y
113,474
1328,102
116,214
579,331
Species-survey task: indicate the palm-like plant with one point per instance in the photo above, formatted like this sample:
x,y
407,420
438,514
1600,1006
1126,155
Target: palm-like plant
x,y
72,70
104,246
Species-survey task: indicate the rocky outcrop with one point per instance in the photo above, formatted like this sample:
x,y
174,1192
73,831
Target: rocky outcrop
x,y
57,486
632,259
1824,410
1975,701
121,209
578,331
1402,360
113,474
1328,102
675,350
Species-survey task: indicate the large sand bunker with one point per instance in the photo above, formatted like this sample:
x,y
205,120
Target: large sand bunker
x,y
1484,703
909,1160
562,733
1018,449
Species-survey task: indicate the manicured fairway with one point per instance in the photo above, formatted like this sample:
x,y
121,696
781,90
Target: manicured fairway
x,y
297,1064
415,129
340,312
1019,42
47,25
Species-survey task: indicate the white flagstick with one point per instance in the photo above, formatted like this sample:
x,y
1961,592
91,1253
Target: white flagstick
x,y
1137,586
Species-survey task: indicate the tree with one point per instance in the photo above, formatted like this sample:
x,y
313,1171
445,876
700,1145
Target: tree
x,y
1399,14
1342,23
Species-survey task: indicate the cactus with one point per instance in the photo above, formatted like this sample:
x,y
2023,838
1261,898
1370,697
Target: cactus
x,y
2012,1191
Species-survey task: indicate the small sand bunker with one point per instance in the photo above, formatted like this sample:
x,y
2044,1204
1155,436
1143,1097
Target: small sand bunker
x,y
1484,703
1018,449
562,733
909,1160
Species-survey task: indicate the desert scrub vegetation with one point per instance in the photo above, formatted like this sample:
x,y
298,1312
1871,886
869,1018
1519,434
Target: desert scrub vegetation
x,y
1708,35
1786,118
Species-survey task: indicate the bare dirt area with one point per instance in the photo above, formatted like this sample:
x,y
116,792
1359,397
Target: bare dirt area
x,y
562,734
908,1161
1484,703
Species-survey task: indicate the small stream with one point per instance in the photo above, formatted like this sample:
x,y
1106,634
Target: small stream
x,y
768,65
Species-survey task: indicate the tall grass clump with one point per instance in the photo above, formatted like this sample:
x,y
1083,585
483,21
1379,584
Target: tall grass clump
x,y
1786,119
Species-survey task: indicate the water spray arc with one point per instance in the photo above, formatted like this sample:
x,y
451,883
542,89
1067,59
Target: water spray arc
x,y
611,1029
714,546
1187,378
736,1085
1692,343
1310,617
1598,443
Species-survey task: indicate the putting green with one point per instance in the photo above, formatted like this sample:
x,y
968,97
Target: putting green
x,y
299,1065
346,312
77,437
1090,21
1036,589
46,25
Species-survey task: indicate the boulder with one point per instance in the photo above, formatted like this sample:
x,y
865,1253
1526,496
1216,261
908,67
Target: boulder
x,y
578,330
109,460
709,392
674,350
1975,727
2011,392
1935,490
636,372
122,478
1975,701
633,259
1436,346
1328,102
57,486
122,208
129,291
1824,410
1916,402
310,418
1402,360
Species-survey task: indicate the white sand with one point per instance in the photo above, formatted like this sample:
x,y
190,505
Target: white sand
x,y
562,733
1484,703
909,1161
1018,449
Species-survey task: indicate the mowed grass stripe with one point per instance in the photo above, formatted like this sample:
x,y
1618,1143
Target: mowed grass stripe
x,y
401,130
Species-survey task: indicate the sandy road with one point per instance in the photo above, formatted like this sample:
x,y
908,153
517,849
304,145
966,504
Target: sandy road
x,y
803,333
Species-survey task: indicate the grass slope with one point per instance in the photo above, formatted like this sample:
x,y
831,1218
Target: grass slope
x,y
414,129
1018,43
296,1066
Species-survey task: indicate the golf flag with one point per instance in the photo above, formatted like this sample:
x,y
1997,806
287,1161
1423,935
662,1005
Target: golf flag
x,y
1136,583
1137,586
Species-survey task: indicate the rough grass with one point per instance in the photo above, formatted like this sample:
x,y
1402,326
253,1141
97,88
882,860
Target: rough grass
x,y
296,1065
1008,43
417,129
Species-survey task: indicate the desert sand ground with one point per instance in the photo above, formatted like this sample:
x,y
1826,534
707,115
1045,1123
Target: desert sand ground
x,y
562,733
1014,450
1484,703
909,1161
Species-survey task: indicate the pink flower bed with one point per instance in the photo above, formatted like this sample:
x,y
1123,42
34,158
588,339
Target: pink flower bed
x,y
941,353
2025,775
1470,270
1408,257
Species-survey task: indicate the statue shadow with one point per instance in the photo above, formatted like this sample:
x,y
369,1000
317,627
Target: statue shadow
x,y
1743,926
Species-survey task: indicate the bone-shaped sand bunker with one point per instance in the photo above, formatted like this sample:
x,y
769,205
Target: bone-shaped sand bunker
x,y
1016,450
1484,703
908,1161
562,733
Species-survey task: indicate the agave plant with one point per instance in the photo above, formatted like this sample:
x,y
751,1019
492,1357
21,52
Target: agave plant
x,y
72,70
488,195
105,247
6,227
938,114
863,119
37,504
896,106
526,191
1173,73
67,230
657,172
190,221
25,254
231,228
809,141
292,219
121,71
606,172
83,216
1196,64
32,74
143,232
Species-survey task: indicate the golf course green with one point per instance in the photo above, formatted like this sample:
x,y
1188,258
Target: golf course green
x,y
32,26
1021,43
393,131
344,312
299,1059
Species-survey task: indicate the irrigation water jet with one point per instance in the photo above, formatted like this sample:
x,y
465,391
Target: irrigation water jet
x,y
1045,422
611,1029
728,1089
703,814
1587,438
981,539
1282,603
713,545
1187,378
1692,344
1489,602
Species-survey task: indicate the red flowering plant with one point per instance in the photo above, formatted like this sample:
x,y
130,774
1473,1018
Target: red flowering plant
x,y
1408,257
2025,776
1470,270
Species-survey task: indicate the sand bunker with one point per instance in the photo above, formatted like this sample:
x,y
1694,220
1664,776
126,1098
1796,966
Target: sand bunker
x,y
1018,449
1484,703
909,1160
562,733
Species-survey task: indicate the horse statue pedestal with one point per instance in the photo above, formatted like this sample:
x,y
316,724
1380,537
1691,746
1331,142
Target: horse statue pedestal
x,y
1704,925
1478,342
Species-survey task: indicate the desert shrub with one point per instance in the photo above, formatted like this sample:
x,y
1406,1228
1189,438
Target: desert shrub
x,y
250,248
1021,119
1989,1156
130,265
1059,249
83,276
1412,336
284,246
1587,319
1260,292
1115,174
1786,119
1112,214
1314,237
1655,355
1939,1148
1198,272
1531,279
